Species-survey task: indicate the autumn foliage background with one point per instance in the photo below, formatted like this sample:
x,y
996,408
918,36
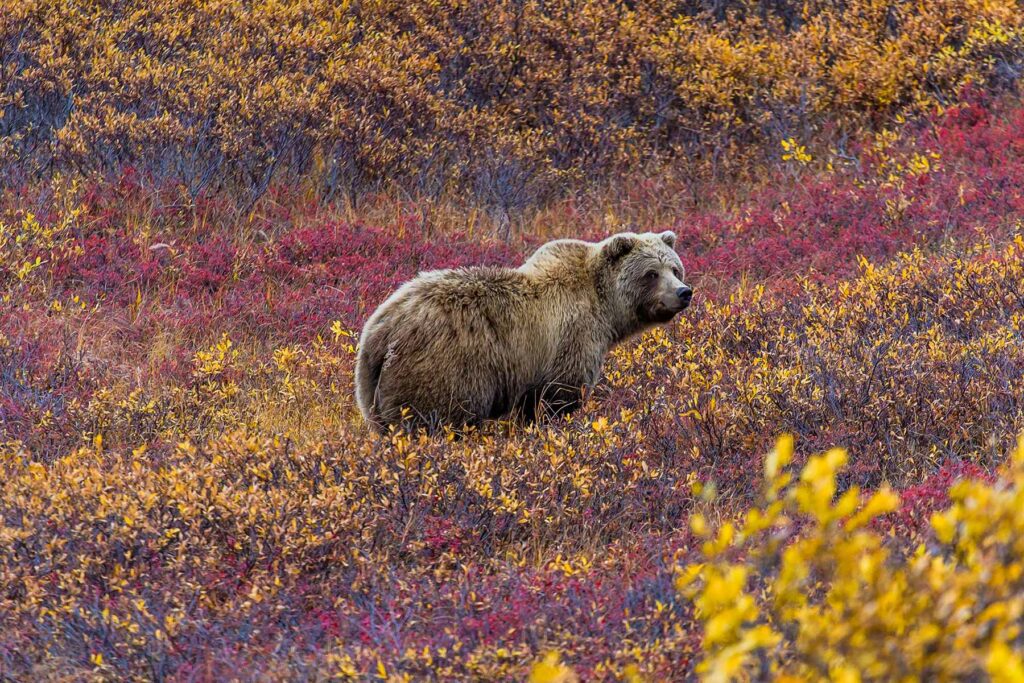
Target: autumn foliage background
x,y
202,202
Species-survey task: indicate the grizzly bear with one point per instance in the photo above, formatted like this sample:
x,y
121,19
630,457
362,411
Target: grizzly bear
x,y
455,347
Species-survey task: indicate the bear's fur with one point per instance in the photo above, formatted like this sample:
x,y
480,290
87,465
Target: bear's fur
x,y
455,347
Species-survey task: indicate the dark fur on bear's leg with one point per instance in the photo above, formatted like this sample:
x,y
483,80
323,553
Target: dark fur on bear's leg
x,y
549,402
456,347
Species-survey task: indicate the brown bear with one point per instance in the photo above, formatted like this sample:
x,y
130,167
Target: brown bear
x,y
455,347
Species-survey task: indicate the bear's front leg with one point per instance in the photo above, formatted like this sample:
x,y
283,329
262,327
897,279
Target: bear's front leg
x,y
548,401
575,368
563,392
557,399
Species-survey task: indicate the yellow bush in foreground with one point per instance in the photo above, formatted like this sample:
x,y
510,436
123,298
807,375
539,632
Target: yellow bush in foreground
x,y
804,587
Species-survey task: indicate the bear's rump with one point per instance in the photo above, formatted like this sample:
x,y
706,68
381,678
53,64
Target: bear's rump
x,y
444,370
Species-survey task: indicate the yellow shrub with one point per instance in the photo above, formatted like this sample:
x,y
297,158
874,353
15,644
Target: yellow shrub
x,y
830,599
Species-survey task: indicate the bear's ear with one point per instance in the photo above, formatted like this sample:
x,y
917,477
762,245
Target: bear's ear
x,y
618,246
669,238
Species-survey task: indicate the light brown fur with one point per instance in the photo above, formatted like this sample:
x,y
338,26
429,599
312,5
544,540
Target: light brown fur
x,y
460,346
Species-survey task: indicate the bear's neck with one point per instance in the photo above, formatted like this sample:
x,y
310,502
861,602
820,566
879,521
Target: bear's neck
x,y
624,329
621,322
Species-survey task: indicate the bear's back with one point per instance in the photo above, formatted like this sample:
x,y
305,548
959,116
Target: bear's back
x,y
464,289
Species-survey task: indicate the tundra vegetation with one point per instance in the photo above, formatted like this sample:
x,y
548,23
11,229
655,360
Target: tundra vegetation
x,y
814,472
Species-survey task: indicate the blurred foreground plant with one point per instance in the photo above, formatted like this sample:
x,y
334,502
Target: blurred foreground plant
x,y
805,585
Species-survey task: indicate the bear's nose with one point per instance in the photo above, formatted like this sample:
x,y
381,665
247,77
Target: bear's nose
x,y
685,294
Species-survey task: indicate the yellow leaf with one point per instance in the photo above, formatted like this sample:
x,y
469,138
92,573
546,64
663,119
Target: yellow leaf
x,y
551,670
882,502
1003,664
699,525
779,457
944,524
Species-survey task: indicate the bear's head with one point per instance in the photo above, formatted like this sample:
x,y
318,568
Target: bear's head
x,y
642,279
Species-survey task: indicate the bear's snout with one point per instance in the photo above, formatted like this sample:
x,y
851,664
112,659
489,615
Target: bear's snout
x,y
684,293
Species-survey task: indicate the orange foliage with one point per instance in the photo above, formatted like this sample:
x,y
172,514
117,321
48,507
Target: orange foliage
x,y
505,103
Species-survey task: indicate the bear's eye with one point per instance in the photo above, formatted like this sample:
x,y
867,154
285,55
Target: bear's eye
x,y
675,271
651,275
